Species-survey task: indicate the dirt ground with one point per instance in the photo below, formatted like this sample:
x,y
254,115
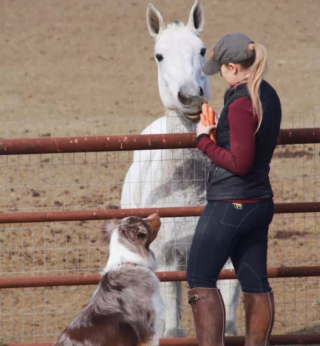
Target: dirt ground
x,y
90,58
63,63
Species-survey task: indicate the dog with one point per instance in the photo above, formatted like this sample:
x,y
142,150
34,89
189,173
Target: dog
x,y
126,309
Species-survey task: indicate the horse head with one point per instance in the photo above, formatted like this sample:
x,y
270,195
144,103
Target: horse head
x,y
180,55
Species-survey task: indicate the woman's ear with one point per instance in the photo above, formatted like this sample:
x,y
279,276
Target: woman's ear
x,y
233,68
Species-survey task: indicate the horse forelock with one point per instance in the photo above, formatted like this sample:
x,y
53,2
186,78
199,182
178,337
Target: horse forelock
x,y
175,25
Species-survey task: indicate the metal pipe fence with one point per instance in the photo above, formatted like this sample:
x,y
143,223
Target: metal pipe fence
x,y
130,142
280,208
93,279
299,339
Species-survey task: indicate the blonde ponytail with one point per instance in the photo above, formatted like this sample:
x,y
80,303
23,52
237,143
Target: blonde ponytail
x,y
257,71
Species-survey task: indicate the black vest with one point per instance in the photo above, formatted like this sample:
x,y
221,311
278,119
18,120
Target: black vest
x,y
222,184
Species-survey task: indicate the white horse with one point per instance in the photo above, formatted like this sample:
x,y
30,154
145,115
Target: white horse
x,y
168,178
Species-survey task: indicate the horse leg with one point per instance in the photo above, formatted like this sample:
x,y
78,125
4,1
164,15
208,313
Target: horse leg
x,y
171,295
230,290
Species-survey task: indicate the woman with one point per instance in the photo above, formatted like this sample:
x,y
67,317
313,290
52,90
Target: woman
x,y
240,205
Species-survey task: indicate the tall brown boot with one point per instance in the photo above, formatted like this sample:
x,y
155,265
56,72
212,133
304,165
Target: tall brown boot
x,y
209,315
259,309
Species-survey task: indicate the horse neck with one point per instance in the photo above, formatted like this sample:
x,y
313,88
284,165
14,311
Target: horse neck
x,y
177,123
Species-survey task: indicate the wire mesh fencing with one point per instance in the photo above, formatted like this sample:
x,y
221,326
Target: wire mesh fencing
x,y
78,181
294,238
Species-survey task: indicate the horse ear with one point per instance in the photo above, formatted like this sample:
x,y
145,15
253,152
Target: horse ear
x,y
154,21
196,17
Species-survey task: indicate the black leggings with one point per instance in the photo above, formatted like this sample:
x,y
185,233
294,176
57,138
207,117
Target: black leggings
x,y
238,231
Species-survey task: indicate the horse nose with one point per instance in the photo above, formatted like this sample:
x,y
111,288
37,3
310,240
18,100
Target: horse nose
x,y
184,99
201,92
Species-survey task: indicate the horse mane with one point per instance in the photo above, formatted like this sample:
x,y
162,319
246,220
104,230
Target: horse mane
x,y
175,25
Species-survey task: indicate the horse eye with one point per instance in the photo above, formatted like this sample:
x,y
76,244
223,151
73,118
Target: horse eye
x,y
203,51
159,57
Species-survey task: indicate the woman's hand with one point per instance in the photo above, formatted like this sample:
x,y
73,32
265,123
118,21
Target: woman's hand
x,y
201,129
208,122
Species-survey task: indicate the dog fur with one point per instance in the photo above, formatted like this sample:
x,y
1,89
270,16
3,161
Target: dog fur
x,y
126,309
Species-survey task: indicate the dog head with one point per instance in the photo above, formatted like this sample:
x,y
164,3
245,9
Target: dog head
x,y
129,239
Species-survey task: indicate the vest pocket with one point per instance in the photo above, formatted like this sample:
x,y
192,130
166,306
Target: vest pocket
x,y
212,173
218,175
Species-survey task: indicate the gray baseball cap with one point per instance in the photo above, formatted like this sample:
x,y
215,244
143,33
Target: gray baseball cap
x,y
231,48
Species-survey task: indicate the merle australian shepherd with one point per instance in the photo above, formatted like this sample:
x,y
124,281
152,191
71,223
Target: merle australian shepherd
x,y
126,309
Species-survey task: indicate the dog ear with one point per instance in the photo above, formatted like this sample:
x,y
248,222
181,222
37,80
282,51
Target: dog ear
x,y
154,223
107,230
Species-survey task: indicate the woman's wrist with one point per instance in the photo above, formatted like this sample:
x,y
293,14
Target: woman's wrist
x,y
200,136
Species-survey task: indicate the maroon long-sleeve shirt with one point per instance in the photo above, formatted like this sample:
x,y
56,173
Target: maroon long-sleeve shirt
x,y
242,125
